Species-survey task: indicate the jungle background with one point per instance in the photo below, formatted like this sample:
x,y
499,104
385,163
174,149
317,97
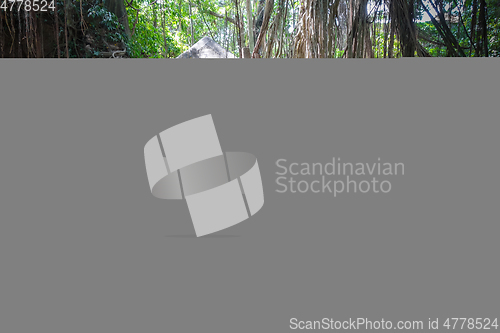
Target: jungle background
x,y
252,28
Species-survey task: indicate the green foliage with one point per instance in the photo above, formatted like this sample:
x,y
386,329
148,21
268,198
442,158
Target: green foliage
x,y
148,40
462,28
108,21
102,28
434,49
150,21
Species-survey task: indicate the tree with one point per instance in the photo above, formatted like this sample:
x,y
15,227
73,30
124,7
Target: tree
x,y
117,7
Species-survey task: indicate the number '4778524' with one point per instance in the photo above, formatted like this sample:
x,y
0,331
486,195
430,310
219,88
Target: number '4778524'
x,y
28,5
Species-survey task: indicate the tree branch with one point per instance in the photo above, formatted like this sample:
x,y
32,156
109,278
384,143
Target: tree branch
x,y
263,29
233,21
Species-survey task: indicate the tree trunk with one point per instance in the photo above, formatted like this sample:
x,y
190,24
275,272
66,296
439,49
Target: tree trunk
x,y
265,24
117,7
443,29
473,27
391,41
192,27
276,24
66,20
165,47
238,28
483,28
2,36
386,32
250,24
155,17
